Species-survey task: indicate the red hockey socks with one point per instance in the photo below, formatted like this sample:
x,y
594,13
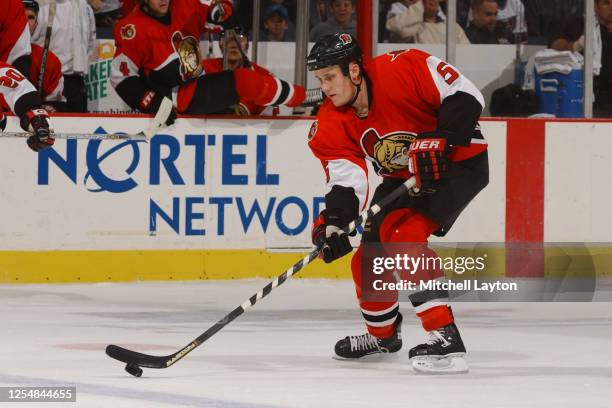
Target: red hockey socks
x,y
380,315
435,317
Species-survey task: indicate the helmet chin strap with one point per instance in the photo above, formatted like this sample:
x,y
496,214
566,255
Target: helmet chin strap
x,y
357,91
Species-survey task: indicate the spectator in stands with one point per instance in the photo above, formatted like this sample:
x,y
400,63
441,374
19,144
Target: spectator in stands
x,y
52,91
276,24
233,60
565,40
106,12
290,5
511,17
483,28
341,19
74,32
420,21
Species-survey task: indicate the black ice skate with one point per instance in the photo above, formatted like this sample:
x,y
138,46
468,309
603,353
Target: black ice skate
x,y
442,354
355,347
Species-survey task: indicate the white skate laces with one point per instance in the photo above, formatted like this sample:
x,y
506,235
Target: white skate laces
x,y
364,342
437,336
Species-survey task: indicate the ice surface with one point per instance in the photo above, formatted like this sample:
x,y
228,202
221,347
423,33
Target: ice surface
x,y
278,354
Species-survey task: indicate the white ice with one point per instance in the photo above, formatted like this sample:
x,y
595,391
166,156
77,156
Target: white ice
x,y
278,354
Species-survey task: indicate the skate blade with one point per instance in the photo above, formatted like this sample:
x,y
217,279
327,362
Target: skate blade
x,y
368,357
448,365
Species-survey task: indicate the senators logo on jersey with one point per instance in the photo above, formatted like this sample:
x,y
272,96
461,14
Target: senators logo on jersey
x,y
390,152
188,51
128,31
313,130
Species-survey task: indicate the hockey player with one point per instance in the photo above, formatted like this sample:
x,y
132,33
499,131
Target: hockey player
x,y
234,60
14,36
408,113
52,92
158,55
22,98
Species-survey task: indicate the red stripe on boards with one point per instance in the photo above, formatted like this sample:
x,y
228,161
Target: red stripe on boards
x,y
525,146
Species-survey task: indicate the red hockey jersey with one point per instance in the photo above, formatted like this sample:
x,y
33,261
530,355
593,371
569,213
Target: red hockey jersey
x,y
14,31
213,65
53,80
168,52
407,89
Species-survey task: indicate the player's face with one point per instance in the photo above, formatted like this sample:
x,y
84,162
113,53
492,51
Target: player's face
x,y
603,8
335,85
32,20
486,15
158,8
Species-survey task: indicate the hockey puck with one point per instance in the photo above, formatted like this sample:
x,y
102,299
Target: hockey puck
x,y
133,369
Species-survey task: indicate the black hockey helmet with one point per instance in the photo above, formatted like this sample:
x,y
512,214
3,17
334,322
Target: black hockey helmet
x,y
334,49
31,4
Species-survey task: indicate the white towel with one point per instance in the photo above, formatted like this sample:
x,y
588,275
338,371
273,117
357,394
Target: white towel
x,y
597,50
80,35
549,60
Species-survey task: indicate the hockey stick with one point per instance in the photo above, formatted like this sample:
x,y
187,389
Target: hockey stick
x,y
86,136
43,63
136,360
230,35
158,122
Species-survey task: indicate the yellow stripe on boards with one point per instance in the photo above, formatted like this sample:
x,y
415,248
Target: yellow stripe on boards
x,y
122,266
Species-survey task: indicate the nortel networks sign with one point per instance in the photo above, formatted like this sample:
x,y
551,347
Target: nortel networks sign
x,y
194,185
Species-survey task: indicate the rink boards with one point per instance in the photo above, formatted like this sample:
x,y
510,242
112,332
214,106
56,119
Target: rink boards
x,y
210,196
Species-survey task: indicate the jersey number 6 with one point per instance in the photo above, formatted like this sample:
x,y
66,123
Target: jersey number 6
x,y
447,72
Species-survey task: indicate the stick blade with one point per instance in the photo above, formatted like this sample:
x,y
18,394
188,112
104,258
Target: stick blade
x,y
134,357
159,120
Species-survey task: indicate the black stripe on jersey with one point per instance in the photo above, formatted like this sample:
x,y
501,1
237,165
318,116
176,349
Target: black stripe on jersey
x,y
285,89
459,114
381,318
167,77
131,90
22,64
417,299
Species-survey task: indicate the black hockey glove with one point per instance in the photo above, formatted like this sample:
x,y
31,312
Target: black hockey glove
x,y
150,103
327,234
428,161
2,121
36,121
